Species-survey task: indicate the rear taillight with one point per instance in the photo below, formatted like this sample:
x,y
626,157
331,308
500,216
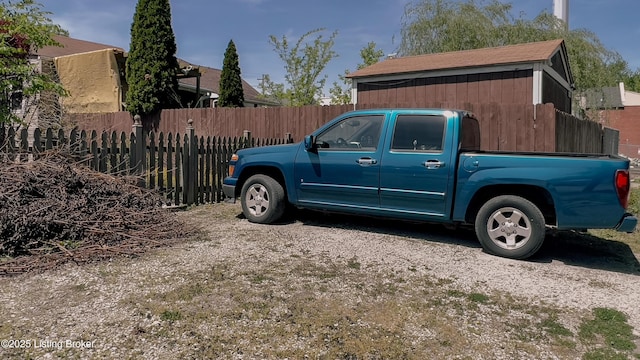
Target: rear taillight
x,y
623,184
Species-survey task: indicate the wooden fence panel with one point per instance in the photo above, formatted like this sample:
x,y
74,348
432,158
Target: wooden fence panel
x,y
152,161
189,168
178,178
576,135
170,168
610,141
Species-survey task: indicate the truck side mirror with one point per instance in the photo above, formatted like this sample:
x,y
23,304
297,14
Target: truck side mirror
x,y
310,143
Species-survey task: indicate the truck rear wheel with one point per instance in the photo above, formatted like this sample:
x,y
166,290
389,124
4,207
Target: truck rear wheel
x,y
510,226
262,199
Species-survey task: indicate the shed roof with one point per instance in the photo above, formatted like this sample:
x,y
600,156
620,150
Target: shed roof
x,y
503,55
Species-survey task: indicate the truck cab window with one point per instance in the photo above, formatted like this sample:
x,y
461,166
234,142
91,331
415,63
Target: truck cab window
x,y
353,133
470,137
418,133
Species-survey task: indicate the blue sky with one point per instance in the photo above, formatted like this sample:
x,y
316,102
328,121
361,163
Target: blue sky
x,y
203,28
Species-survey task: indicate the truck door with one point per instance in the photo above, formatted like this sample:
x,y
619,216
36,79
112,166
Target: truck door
x,y
416,167
343,171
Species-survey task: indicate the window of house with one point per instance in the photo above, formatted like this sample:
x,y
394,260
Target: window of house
x,y
418,133
16,100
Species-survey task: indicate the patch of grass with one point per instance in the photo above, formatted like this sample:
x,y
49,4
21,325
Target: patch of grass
x,y
259,278
553,327
353,263
455,293
478,298
612,326
170,316
634,201
604,354
631,239
186,293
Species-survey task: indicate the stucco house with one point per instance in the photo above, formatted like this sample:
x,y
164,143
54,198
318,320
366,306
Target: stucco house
x,y
94,75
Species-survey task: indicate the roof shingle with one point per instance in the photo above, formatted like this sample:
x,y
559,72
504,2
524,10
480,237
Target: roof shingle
x,y
511,54
70,46
210,80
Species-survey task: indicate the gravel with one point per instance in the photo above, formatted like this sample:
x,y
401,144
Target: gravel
x,y
89,302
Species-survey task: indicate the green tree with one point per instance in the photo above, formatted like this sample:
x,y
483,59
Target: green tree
x,y
341,91
152,64
24,28
304,64
231,93
433,26
272,90
632,81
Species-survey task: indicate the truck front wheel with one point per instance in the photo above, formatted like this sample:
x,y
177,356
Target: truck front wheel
x,y
262,199
510,226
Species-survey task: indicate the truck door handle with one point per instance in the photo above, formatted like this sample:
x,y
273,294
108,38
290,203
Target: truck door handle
x,y
367,161
433,164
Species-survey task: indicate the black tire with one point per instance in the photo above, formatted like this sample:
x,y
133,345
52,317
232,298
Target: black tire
x,y
510,226
262,199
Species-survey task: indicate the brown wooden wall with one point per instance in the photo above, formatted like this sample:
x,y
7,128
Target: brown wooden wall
x,y
509,87
553,92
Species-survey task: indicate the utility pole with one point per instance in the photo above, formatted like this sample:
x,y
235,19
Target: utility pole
x,y
262,79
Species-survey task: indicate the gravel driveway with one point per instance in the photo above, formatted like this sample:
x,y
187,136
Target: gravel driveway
x,y
144,307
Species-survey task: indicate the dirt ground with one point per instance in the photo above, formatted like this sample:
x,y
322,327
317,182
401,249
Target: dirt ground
x,y
324,287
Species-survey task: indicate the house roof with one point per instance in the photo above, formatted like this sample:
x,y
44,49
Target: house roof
x,y
210,78
70,46
504,55
604,98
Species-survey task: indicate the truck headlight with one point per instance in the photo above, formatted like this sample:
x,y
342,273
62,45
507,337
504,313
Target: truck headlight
x,y
232,164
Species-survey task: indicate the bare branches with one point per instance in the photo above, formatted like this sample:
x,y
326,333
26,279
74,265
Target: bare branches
x,y
53,211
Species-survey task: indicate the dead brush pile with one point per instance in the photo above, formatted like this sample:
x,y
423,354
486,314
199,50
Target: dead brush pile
x,y
53,210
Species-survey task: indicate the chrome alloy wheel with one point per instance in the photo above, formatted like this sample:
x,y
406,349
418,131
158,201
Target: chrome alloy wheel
x,y
509,228
257,199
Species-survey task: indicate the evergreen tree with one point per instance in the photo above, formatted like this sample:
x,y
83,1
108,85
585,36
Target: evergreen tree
x,y
152,64
231,93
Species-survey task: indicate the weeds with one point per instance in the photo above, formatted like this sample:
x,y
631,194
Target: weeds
x,y
611,325
316,315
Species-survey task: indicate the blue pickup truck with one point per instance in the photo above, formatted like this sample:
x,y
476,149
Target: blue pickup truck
x,y
426,165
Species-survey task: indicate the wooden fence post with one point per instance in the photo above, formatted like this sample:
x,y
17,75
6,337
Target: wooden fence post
x,y
138,151
190,164
246,139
